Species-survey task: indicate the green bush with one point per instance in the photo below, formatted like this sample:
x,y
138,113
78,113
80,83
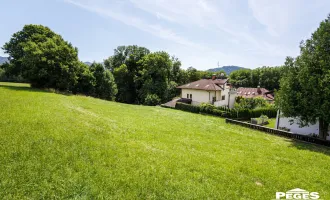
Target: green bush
x,y
187,107
2,73
223,108
207,108
248,113
203,108
226,112
250,103
217,112
151,100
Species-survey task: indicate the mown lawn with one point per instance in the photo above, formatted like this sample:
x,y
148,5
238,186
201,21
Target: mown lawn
x,y
272,122
54,146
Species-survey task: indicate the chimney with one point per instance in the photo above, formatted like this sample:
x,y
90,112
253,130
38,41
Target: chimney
x,y
259,90
213,77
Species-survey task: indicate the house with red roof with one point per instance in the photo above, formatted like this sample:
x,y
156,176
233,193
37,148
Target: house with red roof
x,y
214,91
256,92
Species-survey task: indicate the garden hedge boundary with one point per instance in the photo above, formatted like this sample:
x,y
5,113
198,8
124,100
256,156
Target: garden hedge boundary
x,y
226,112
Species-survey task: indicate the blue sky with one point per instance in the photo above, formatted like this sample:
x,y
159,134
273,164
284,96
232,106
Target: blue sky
x,y
201,33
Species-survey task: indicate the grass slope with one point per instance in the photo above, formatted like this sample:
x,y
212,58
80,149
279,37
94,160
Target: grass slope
x,y
74,147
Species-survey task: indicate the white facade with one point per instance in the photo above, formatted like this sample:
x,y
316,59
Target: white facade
x,y
222,98
294,126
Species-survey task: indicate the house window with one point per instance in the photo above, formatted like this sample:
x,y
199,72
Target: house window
x,y
190,96
187,96
223,97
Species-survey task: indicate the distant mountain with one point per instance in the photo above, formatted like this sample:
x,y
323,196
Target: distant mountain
x,y
227,69
88,63
3,60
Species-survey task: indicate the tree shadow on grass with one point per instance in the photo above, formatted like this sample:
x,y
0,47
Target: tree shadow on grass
x,y
31,89
301,145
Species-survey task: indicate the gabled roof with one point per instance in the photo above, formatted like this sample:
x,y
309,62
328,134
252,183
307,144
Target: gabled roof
x,y
255,92
205,84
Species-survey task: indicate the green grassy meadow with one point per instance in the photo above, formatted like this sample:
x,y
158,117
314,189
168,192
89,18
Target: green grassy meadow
x,y
55,146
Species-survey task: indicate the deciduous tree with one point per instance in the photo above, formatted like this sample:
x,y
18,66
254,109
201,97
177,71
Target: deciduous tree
x,y
305,88
43,57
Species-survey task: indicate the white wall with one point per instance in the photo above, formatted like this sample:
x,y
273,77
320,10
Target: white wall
x,y
221,103
285,122
233,95
201,96
229,95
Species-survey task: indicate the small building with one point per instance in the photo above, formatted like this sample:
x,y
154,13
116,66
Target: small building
x,y
214,91
292,125
256,92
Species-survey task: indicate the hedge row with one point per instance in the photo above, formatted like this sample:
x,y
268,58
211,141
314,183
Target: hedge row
x,y
207,109
226,112
248,114
187,107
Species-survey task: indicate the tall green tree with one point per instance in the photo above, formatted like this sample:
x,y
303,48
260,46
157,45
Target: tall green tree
x,y
124,64
241,78
305,88
153,76
266,77
105,86
193,74
86,81
43,57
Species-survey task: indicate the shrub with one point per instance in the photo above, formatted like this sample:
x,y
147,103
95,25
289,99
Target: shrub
x,y
262,120
207,108
2,73
226,112
217,112
8,74
250,103
271,112
151,100
203,108
223,108
187,107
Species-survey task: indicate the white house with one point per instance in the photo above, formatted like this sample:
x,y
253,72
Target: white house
x,y
293,125
214,91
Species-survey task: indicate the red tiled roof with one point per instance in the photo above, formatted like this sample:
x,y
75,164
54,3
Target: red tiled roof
x,y
205,84
253,92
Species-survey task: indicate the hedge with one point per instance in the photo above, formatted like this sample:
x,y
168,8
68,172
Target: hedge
x,y
247,114
226,112
187,107
203,108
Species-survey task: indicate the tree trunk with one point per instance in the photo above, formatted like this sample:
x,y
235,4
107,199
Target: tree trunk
x,y
323,128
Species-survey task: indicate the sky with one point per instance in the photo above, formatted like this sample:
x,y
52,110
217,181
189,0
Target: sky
x,y
201,33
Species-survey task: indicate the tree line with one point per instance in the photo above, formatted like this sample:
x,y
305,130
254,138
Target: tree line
x,y
265,77
133,74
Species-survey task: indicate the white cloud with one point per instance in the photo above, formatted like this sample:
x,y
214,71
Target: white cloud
x,y
227,22
198,12
277,15
154,29
212,16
